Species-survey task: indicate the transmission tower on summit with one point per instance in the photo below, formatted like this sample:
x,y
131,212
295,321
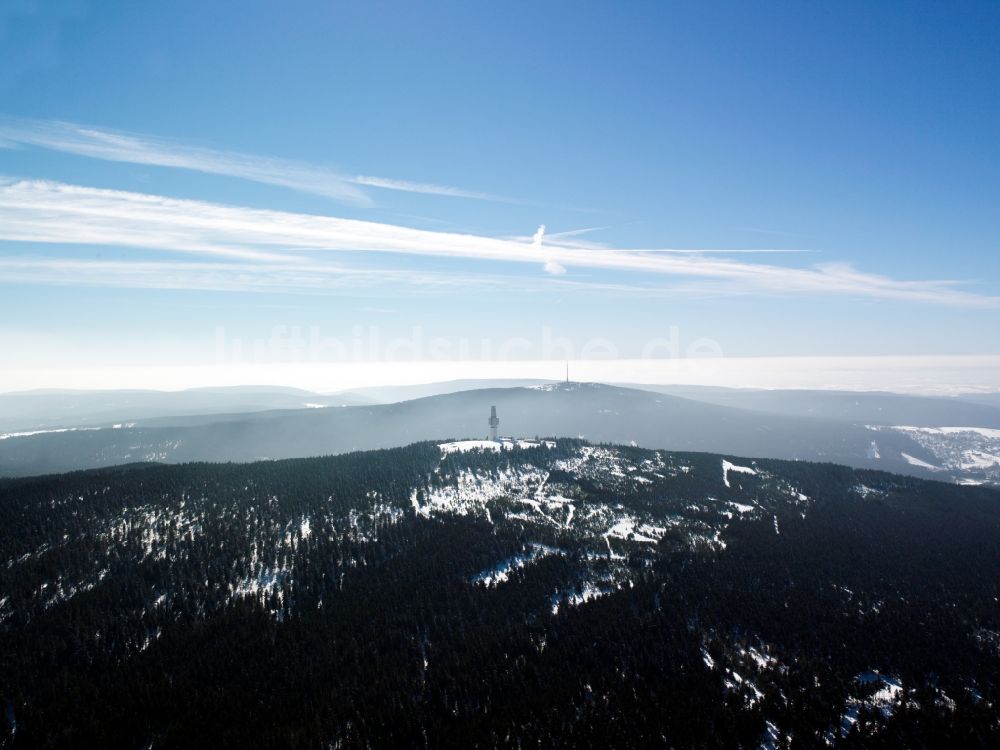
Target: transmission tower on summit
x,y
494,423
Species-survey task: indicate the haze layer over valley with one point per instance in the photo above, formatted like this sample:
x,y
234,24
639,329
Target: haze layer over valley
x,y
948,439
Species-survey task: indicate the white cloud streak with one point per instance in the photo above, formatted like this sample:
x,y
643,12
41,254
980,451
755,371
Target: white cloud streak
x,y
406,186
109,145
560,239
210,276
297,278
50,212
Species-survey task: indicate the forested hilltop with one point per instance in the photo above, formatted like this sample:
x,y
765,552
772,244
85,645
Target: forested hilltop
x,y
601,413
530,594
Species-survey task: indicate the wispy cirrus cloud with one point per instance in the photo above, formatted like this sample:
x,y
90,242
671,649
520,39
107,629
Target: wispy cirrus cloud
x,y
319,277
51,212
427,188
224,276
110,145
568,239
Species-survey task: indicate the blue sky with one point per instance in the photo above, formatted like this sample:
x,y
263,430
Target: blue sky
x,y
170,171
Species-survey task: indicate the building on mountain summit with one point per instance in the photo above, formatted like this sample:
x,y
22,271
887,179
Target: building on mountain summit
x,y
494,423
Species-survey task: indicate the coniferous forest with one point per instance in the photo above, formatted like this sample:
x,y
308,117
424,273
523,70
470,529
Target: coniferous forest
x,y
539,594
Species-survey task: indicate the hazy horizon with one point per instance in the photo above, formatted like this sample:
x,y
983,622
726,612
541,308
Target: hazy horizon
x,y
934,376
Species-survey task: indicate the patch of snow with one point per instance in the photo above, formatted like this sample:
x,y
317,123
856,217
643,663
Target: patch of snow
x,y
471,492
649,529
625,528
885,699
945,701
763,661
735,681
913,461
707,658
500,572
464,446
28,433
714,541
769,740
983,431
728,467
416,506
974,459
966,449
865,490
588,592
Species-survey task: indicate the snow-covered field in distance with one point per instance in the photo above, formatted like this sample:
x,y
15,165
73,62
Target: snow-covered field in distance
x,y
972,451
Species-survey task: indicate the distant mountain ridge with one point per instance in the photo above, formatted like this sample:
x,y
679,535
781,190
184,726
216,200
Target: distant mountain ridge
x,y
866,407
47,409
598,412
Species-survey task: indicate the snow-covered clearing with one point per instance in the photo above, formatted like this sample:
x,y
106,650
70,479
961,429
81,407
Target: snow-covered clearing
x,y
985,432
913,461
29,433
728,467
464,446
